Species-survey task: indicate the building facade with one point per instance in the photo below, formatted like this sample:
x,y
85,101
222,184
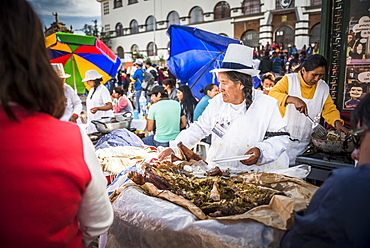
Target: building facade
x,y
138,27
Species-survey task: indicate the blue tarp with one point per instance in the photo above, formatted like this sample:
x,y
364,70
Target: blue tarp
x,y
193,53
119,137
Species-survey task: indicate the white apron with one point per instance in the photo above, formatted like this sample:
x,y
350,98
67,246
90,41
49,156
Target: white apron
x,y
246,130
298,126
99,99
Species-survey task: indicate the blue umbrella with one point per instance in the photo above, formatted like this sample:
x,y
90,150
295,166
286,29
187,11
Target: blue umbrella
x,y
193,53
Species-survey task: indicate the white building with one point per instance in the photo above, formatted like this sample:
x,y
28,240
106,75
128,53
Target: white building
x,y
139,26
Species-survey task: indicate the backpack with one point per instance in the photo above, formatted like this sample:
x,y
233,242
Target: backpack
x,y
148,81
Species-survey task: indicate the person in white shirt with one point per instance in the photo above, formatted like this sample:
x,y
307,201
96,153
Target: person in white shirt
x,y
98,101
242,120
73,101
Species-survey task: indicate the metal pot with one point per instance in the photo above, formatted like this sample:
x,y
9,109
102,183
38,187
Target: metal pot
x,y
107,125
334,143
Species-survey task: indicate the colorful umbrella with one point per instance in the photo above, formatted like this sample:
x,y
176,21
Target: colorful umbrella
x,y
80,53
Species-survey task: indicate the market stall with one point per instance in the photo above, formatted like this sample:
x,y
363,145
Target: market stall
x,y
146,216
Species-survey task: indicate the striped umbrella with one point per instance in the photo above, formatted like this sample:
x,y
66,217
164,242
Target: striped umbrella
x,y
80,53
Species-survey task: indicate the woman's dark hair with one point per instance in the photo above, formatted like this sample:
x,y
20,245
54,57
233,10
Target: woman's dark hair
x,y
245,80
96,85
314,61
27,77
170,82
188,102
361,115
208,87
119,90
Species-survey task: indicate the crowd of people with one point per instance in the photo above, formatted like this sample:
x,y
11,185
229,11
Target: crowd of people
x,y
279,60
300,92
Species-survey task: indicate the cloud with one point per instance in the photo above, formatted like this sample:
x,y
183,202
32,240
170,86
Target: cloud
x,y
70,12
82,8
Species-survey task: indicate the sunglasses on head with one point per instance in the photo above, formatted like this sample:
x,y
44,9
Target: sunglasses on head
x,y
358,136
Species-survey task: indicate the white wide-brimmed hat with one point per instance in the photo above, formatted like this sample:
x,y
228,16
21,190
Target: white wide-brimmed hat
x,y
59,69
138,62
91,75
238,58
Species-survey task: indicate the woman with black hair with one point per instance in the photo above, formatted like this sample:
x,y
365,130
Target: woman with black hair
x,y
57,195
188,103
98,101
121,104
169,85
305,93
210,91
240,120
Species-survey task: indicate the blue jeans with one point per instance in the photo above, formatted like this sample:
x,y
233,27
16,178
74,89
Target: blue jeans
x,y
150,141
137,96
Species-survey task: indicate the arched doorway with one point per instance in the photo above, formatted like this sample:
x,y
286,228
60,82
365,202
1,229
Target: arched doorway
x,y
120,52
315,34
151,49
285,35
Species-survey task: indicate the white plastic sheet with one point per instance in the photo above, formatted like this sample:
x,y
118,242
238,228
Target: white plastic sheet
x,y
145,221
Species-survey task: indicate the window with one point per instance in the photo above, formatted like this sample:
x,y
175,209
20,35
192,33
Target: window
x,y
120,52
251,7
106,8
196,15
117,3
250,38
107,27
173,18
135,49
222,10
151,49
285,35
150,24
132,1
315,33
119,29
134,27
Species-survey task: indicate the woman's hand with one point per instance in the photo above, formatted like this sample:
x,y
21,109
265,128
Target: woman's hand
x,y
106,107
94,110
255,156
73,119
299,104
165,154
340,128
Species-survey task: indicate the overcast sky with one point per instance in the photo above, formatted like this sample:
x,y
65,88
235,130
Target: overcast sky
x,y
70,12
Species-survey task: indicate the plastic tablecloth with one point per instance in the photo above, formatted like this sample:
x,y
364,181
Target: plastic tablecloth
x,y
145,221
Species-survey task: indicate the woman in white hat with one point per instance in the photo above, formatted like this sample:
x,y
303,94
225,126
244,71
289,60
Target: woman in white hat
x,y
242,120
98,101
73,101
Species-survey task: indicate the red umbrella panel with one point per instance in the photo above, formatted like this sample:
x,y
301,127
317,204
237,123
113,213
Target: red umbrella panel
x,y
80,53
